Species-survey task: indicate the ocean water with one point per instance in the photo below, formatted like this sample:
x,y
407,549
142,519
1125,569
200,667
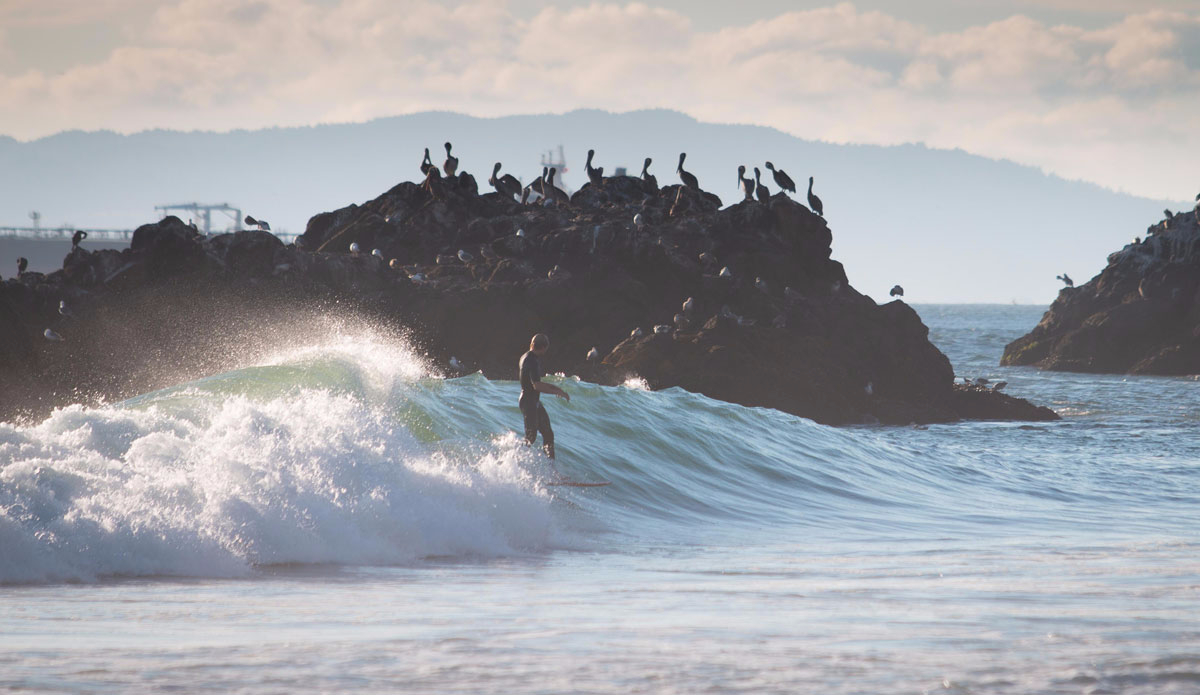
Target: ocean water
x,y
339,518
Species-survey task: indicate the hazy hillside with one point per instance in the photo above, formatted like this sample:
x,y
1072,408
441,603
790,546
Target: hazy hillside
x,y
948,226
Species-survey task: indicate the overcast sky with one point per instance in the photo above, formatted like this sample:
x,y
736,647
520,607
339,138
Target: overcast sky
x,y
1101,90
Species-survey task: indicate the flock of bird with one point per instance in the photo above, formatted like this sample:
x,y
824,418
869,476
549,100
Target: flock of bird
x,y
509,186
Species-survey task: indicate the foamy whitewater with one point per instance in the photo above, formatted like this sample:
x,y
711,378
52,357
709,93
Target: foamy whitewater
x,y
340,518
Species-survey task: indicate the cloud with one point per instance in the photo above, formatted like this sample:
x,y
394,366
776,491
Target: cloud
x,y
1110,105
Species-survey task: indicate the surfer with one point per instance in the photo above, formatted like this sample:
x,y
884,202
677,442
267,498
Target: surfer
x,y
532,388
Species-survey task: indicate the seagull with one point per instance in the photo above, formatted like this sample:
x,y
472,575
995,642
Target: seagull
x,y
593,355
999,385
52,336
635,333
354,247
688,305
680,320
261,224
708,259
487,253
638,221
455,364
761,284
726,273
62,309
662,328
870,389
791,294
980,381
377,253
443,259
966,381
417,278
464,256
897,291
554,273
520,233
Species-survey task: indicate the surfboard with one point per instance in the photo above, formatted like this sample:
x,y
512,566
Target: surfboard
x,y
576,483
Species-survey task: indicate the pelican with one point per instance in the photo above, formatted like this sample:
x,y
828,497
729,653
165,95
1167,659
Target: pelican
x,y
594,174
746,185
762,192
79,236
426,163
648,178
558,195
813,201
897,291
1066,279
507,185
433,181
781,179
593,355
685,176
451,164
22,264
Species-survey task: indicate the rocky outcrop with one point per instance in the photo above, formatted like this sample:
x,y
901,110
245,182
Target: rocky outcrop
x,y
771,321
1140,315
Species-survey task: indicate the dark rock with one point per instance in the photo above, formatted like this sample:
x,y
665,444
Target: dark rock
x,y
1140,315
169,247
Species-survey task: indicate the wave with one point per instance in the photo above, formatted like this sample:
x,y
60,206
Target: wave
x,y
357,452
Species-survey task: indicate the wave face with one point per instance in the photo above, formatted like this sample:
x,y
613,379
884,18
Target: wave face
x,y
357,452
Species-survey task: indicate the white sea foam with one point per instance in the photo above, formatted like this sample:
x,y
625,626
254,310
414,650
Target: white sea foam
x,y
312,477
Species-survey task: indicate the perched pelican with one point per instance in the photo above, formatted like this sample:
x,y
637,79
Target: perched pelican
x,y
781,179
507,185
685,176
652,183
537,185
593,355
897,291
761,285
635,333
746,185
451,165
726,272
79,236
52,336
354,247
426,163
762,192
813,201
1066,279
22,264
594,174
1196,209
433,182
377,253
552,192
464,256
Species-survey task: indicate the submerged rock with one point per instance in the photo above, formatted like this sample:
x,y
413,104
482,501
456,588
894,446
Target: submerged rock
x,y
1140,315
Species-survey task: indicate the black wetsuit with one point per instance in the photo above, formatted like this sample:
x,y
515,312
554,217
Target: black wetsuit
x,y
536,419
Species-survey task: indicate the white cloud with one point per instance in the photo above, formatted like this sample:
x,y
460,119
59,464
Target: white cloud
x,y
1111,105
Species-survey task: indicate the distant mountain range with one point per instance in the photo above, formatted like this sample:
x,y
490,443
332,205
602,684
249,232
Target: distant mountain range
x,y
946,225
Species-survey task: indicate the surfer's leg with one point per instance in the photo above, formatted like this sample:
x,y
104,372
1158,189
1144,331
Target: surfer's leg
x,y
547,433
531,422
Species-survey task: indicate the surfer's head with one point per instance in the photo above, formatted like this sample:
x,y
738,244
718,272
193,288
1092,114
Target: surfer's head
x,y
539,343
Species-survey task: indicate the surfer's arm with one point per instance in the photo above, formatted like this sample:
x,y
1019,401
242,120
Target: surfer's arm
x,y
543,387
